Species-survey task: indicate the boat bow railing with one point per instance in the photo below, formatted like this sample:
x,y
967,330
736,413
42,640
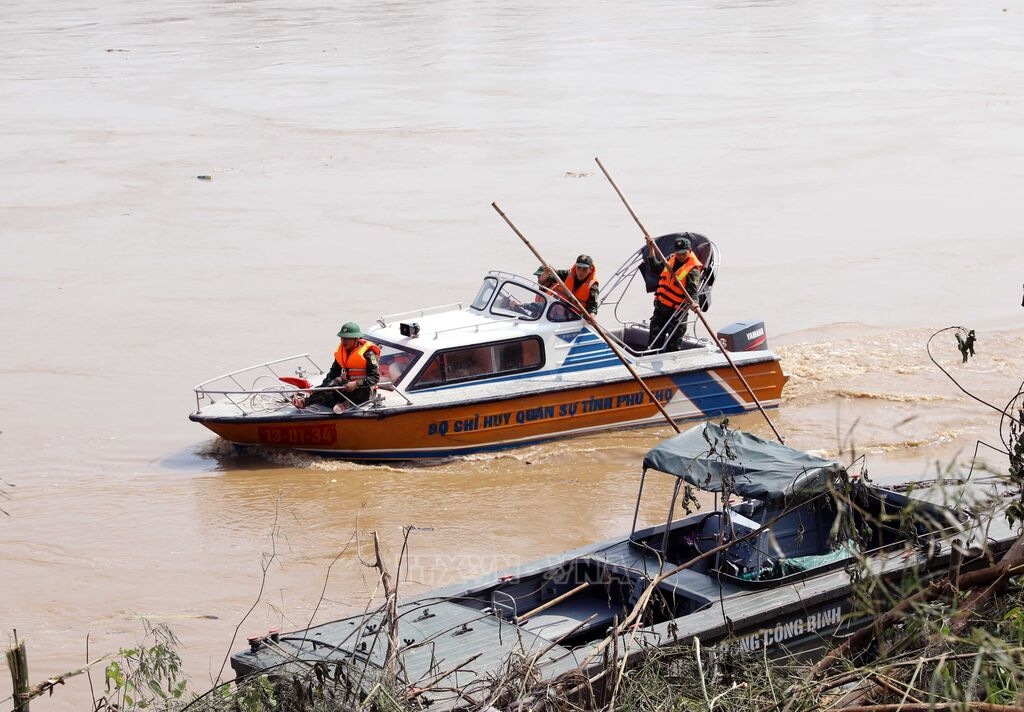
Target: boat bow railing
x,y
266,387
261,387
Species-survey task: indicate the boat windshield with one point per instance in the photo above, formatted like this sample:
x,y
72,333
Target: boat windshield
x,y
395,362
484,295
519,301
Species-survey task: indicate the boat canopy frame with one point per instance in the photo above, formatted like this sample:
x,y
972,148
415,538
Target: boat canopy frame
x,y
716,459
712,457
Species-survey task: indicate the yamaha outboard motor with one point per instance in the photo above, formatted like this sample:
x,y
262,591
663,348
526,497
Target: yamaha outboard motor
x,y
743,336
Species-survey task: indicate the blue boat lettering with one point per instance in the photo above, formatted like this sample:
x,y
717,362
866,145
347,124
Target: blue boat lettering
x,y
528,415
459,425
592,405
628,400
466,425
494,421
664,395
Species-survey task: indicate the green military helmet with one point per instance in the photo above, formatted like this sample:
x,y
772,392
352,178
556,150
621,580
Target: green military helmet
x,y
350,330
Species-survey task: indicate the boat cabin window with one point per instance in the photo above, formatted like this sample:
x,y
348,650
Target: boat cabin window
x,y
478,362
395,362
484,295
519,301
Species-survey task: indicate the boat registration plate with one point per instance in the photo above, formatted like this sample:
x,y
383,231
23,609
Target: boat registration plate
x,y
312,434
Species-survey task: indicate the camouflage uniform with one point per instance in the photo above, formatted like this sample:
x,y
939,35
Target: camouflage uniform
x,y
667,317
334,379
563,274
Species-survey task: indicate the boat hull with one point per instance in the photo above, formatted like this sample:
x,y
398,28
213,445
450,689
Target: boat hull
x,y
406,432
558,613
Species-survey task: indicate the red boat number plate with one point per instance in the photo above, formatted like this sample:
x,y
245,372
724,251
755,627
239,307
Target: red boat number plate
x,y
297,434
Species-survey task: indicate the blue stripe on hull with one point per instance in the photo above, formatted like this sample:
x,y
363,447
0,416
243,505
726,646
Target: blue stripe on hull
x,y
589,362
708,394
586,348
579,348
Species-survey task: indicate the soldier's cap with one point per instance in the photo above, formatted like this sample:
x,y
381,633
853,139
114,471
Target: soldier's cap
x,y
350,330
682,244
584,261
539,272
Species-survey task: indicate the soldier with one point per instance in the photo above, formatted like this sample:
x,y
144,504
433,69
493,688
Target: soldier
x,y
581,280
682,269
353,374
545,277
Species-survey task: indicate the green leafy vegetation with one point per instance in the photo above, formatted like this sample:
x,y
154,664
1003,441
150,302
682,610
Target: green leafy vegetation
x,y
147,676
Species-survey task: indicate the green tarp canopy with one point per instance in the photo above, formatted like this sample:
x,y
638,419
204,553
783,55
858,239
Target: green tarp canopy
x,y
759,469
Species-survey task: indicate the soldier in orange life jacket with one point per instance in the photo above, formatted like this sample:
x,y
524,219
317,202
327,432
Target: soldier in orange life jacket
x,y
582,282
353,374
682,269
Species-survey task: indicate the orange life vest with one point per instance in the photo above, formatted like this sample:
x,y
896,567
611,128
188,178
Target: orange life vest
x,y
354,361
581,290
672,284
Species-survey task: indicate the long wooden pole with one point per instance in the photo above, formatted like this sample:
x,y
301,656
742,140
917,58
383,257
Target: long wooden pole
x,y
588,317
553,602
696,308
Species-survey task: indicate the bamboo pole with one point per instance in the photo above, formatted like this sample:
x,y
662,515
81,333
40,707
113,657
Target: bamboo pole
x,y
553,602
696,307
588,317
17,662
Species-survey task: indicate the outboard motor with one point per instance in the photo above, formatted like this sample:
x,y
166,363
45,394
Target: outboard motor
x,y
743,336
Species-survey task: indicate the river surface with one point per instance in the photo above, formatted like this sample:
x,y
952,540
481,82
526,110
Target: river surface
x,y
859,163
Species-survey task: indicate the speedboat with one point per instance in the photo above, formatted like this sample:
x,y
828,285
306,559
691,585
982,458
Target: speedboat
x,y
515,366
769,569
